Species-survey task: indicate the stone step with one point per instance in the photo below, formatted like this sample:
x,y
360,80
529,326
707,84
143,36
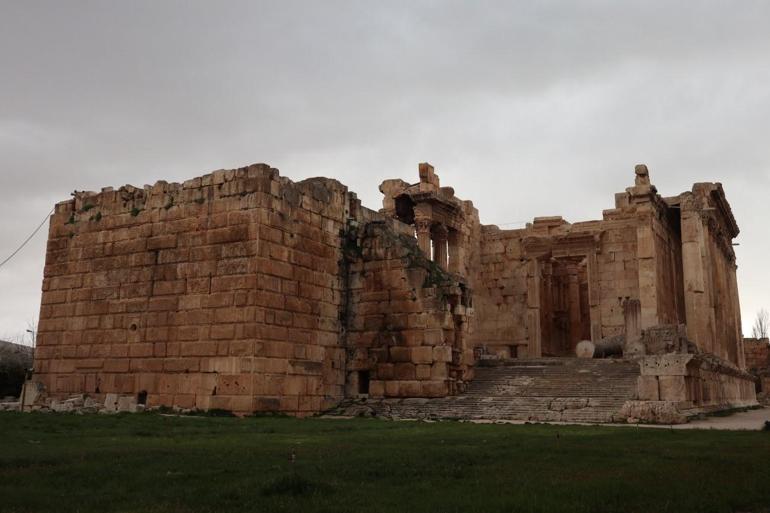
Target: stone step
x,y
539,390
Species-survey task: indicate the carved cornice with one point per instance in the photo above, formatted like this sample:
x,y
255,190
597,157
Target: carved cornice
x,y
571,244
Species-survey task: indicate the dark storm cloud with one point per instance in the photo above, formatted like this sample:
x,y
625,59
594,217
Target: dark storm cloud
x,y
527,109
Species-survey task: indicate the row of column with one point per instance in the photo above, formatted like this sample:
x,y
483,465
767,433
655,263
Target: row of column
x,y
440,235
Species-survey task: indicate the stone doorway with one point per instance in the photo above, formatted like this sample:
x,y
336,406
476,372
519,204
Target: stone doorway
x,y
565,314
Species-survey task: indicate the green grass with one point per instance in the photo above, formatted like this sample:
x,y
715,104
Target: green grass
x,y
149,463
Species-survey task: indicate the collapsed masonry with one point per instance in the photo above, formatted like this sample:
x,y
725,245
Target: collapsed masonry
x,y
245,291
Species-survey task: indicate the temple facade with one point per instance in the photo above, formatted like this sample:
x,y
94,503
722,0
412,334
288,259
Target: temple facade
x,y
245,291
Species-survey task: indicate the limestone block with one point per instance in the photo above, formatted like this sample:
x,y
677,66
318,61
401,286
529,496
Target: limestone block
x,y
404,371
652,412
672,388
647,388
111,402
442,354
665,365
400,354
409,388
385,371
61,406
439,371
423,372
31,392
433,337
434,389
415,337
126,404
376,388
392,388
422,354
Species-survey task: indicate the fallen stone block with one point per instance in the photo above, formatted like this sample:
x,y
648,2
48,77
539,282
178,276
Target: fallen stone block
x,y
651,412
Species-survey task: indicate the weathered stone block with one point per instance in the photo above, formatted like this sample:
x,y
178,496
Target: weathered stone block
x,y
648,389
423,372
433,389
376,388
400,354
442,354
404,371
422,354
672,388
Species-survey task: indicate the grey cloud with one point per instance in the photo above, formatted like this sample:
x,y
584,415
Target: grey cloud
x,y
527,109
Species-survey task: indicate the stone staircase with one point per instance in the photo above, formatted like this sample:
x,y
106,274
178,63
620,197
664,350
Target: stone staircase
x,y
537,390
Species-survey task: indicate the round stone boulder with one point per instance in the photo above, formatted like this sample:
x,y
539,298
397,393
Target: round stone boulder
x,y
585,349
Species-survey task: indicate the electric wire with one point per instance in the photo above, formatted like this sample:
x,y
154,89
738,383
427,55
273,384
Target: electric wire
x,y
28,238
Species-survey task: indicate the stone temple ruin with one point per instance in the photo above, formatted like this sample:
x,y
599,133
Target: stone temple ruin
x,y
245,291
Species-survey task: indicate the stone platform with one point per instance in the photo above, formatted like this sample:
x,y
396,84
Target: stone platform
x,y
538,390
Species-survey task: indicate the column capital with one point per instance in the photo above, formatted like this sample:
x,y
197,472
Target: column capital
x,y
422,224
440,232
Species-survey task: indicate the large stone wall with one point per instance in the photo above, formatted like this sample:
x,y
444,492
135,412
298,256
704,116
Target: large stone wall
x,y
500,294
757,356
245,291
222,292
407,319
757,353
711,290
541,289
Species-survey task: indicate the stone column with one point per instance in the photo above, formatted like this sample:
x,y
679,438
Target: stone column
x,y
423,235
455,252
697,296
594,298
534,335
546,308
440,236
632,317
735,300
643,195
573,307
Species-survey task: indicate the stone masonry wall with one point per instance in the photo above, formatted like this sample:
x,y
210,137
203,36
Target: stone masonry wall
x,y
222,292
757,351
407,318
513,261
501,294
688,381
245,291
618,273
710,283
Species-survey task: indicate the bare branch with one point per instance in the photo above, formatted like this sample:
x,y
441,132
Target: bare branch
x,y
761,327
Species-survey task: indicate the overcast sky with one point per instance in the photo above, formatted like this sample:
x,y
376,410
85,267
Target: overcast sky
x,y
526,108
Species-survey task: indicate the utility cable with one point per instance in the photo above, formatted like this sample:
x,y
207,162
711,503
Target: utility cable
x,y
28,238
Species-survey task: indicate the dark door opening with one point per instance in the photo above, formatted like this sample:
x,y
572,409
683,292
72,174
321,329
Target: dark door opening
x,y
363,382
565,314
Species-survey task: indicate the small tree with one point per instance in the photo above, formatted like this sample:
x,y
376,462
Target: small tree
x,y
761,327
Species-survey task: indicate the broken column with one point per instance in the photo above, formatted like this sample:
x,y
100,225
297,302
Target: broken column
x,y
632,317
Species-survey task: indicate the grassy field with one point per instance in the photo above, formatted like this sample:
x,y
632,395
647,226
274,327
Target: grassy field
x,y
148,462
